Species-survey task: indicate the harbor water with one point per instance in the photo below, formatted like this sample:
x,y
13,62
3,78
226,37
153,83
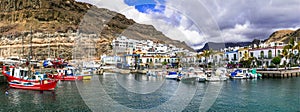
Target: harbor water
x,y
116,92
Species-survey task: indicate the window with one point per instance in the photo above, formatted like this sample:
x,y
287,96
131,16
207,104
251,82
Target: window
x,y
251,54
261,54
270,54
279,53
234,56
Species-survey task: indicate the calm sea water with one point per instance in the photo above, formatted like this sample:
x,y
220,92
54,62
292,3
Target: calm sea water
x,y
115,92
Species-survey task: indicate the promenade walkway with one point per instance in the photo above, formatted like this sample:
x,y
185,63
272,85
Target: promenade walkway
x,y
280,73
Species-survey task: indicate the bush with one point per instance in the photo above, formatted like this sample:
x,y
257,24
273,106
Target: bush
x,y
164,63
276,60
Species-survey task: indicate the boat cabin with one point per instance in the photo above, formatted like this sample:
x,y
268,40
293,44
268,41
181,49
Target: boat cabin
x,y
67,72
23,73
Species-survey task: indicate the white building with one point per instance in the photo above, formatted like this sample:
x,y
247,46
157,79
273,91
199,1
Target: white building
x,y
267,53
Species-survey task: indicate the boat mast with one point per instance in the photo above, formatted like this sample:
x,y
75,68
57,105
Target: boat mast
x,y
29,54
30,51
22,46
48,45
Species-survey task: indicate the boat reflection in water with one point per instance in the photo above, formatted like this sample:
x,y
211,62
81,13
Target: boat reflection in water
x,y
137,92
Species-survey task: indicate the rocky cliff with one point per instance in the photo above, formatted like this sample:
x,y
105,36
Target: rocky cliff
x,y
19,17
283,36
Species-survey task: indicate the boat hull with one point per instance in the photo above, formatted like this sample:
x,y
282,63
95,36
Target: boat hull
x,y
171,76
66,78
18,83
35,86
87,77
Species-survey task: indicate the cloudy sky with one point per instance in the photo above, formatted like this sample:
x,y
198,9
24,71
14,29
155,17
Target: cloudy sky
x,y
199,21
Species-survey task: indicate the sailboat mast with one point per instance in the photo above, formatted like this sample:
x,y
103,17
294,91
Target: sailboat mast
x,y
30,50
30,43
22,46
48,46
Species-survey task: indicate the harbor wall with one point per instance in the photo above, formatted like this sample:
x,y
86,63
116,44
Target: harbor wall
x,y
280,73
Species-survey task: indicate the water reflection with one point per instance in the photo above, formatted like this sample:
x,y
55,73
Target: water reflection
x,y
109,92
119,92
62,99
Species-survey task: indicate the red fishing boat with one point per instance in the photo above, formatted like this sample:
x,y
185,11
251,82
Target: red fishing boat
x,y
66,74
20,78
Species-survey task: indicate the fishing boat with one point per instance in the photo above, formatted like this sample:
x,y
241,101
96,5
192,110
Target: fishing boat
x,y
21,78
65,74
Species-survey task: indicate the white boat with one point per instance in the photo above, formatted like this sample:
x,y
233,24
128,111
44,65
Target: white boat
x,y
219,75
172,75
90,64
86,74
194,74
202,78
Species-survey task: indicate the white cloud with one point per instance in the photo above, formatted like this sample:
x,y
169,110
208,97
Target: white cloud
x,y
116,5
197,21
180,32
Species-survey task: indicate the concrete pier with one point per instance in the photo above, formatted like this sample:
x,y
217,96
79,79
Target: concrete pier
x,y
280,73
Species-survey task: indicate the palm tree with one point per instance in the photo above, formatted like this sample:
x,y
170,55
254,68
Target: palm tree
x,y
181,55
288,50
297,47
285,53
199,56
206,54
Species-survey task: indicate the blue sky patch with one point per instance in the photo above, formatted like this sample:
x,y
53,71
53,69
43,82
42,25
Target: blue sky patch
x,y
144,6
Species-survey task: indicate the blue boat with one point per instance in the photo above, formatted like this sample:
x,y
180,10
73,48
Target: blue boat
x,y
237,74
173,75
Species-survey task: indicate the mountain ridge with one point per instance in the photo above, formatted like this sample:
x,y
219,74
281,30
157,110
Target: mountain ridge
x,y
280,36
50,16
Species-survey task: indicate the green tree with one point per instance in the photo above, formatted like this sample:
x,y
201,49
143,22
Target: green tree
x,y
164,63
276,61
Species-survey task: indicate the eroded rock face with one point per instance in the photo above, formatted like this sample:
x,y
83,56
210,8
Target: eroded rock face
x,y
283,36
55,45
18,17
